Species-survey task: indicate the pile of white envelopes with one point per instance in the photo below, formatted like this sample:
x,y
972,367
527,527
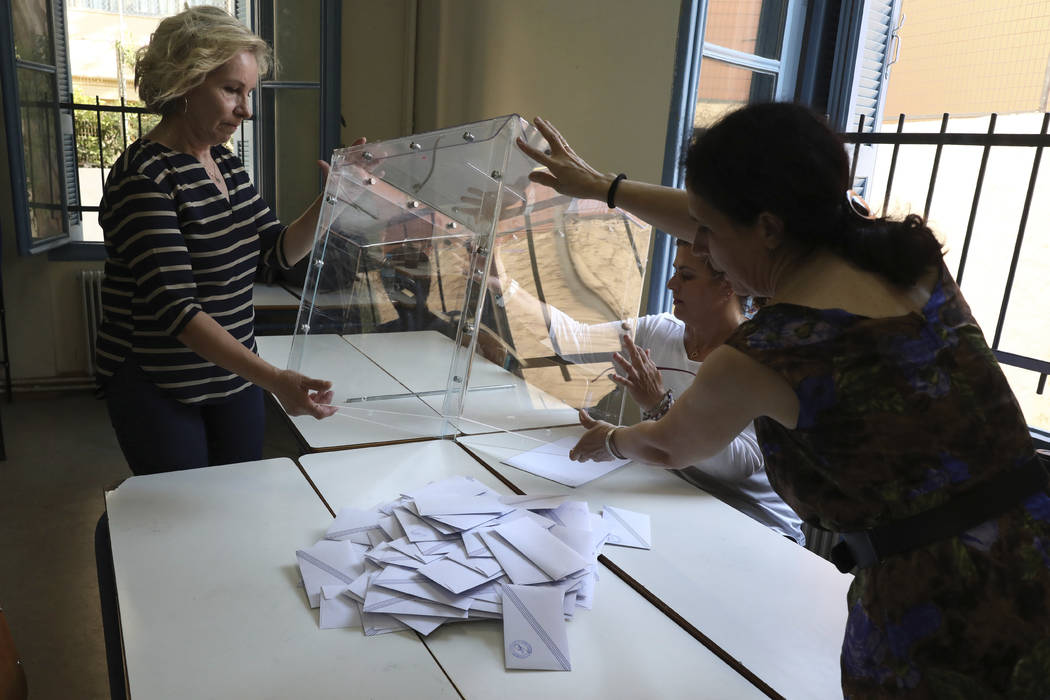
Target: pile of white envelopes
x,y
456,551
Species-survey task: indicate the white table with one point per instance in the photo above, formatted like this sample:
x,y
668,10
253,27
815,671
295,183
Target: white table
x,y
353,376
623,648
209,600
404,377
273,296
496,399
777,608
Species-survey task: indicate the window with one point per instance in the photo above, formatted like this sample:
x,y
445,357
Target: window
x,y
750,55
730,53
70,113
35,80
302,91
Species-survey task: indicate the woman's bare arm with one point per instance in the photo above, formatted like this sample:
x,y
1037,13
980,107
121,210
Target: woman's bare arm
x,y
729,391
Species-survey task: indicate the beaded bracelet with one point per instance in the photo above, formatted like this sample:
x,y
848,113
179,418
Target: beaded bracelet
x,y
660,409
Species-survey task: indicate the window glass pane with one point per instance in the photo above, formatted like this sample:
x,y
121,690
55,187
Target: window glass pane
x,y
295,25
36,91
724,87
751,26
297,140
32,22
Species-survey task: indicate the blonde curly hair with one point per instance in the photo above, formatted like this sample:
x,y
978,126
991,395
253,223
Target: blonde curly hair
x,y
185,48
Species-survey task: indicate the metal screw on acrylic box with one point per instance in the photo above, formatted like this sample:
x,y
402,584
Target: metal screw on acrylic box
x,y
449,294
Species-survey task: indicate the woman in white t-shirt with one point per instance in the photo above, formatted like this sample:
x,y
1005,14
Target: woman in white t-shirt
x,y
706,312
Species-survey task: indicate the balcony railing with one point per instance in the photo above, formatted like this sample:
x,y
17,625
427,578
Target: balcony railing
x,y
987,142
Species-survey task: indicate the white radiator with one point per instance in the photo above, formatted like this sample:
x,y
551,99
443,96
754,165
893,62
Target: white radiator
x,y
91,292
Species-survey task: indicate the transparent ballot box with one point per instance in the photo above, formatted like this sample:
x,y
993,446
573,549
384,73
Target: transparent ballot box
x,y
448,294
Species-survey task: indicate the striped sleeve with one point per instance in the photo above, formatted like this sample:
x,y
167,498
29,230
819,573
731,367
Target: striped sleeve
x,y
143,232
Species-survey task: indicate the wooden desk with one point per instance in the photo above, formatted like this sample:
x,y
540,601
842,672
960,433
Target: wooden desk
x,y
776,607
623,648
209,600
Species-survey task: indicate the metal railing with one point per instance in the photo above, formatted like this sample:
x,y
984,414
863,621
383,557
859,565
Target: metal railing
x,y
987,141
99,108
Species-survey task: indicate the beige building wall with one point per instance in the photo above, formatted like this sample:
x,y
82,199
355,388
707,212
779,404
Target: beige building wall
x,y
971,57
601,70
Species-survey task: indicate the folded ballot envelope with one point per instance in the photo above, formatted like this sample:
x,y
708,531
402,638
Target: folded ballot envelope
x,y
627,528
534,634
328,562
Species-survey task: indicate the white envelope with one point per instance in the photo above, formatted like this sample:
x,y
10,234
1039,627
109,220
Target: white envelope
x,y
585,592
627,528
378,623
534,501
392,528
410,582
381,600
486,606
454,576
519,568
488,566
534,634
421,623
442,504
581,541
463,522
352,521
572,514
385,554
551,461
375,537
431,549
337,610
543,549
328,561
416,529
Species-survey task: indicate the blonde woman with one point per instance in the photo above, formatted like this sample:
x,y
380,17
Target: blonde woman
x,y
185,233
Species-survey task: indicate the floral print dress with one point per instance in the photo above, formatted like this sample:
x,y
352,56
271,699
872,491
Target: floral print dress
x,y
896,415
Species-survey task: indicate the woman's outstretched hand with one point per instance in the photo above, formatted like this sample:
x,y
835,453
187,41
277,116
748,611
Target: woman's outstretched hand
x,y
303,396
592,445
641,377
567,174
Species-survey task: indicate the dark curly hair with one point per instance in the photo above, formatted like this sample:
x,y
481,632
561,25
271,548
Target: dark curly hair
x,y
783,159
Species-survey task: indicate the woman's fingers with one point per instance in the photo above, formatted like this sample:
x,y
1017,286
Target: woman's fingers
x,y
554,138
534,153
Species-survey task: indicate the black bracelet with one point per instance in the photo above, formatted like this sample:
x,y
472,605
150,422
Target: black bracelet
x,y
610,198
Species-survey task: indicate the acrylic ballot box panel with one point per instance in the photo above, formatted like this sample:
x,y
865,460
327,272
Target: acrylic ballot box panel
x,y
493,300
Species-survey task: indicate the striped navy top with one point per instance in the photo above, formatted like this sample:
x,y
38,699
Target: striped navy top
x,y
176,247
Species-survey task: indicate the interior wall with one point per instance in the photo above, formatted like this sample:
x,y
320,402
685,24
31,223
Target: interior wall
x,y
377,69
601,70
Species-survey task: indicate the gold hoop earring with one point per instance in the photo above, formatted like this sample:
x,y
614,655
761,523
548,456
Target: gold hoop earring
x,y
185,104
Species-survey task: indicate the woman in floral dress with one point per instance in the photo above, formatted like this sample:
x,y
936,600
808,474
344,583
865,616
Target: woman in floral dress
x,y
881,411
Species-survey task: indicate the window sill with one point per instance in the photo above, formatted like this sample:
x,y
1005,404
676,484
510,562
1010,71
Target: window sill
x,y
78,251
